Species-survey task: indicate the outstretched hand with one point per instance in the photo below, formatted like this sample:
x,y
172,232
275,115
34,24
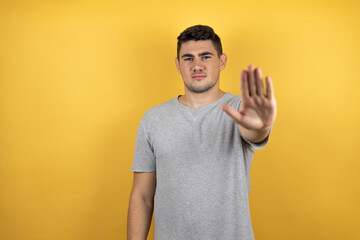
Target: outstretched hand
x,y
258,110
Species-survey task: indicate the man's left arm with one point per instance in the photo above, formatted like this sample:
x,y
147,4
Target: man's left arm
x,y
257,112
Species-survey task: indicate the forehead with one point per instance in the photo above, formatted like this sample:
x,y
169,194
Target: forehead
x,y
195,47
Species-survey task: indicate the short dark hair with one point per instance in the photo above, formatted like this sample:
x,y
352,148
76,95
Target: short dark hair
x,y
199,32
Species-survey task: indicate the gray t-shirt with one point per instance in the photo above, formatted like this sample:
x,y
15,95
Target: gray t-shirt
x,y
202,166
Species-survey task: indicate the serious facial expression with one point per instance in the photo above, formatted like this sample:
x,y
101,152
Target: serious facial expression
x,y
200,65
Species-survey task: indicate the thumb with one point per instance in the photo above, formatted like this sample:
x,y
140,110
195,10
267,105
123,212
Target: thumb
x,y
232,112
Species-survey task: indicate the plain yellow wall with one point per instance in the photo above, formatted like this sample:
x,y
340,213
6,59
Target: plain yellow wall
x,y
77,76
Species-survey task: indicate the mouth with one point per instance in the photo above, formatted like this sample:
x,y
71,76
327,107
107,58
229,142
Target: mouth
x,y
198,76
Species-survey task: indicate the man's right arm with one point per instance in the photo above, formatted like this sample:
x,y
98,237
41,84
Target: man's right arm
x,y
141,205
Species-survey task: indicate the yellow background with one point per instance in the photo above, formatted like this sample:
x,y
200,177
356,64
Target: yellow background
x,y
77,76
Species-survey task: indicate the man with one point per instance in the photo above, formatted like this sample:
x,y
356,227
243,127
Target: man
x,y
193,153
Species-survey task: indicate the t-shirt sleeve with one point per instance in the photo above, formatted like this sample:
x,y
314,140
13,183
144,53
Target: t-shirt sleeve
x,y
144,159
260,144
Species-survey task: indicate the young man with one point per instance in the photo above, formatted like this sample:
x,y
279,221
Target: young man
x,y
193,153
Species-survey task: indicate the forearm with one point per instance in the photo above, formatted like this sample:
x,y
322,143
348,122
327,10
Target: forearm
x,y
255,136
139,218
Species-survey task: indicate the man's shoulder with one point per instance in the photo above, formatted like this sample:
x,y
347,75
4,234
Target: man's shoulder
x,y
159,110
233,97
165,106
233,100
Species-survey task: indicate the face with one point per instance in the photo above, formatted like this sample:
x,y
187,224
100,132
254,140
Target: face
x,y
199,65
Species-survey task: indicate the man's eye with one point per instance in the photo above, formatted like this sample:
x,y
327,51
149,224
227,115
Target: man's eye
x,y
187,59
206,57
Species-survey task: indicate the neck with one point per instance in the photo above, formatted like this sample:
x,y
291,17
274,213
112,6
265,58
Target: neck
x,y
197,100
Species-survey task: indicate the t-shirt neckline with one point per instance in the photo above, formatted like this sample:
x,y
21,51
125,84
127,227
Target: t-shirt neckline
x,y
188,108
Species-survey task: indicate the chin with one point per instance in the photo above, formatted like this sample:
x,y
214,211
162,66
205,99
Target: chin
x,y
200,89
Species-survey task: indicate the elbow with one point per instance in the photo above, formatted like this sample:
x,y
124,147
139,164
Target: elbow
x,y
146,200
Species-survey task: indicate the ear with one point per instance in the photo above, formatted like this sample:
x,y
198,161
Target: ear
x,y
177,63
223,59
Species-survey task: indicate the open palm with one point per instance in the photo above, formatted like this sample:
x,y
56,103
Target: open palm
x,y
258,110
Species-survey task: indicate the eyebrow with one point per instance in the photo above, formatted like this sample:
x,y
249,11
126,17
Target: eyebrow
x,y
200,54
205,53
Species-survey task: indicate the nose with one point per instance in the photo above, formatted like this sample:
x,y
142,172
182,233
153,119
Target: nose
x,y
198,65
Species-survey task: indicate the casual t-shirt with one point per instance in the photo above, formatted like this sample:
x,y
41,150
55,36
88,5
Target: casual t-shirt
x,y
202,166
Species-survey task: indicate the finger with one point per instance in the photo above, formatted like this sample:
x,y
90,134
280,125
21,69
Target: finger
x,y
232,112
269,87
259,82
251,80
244,86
